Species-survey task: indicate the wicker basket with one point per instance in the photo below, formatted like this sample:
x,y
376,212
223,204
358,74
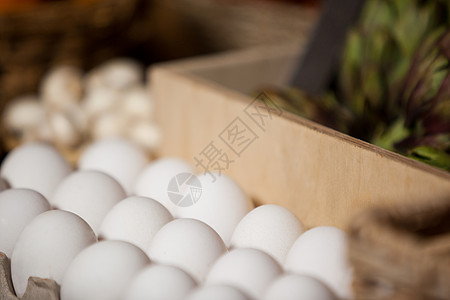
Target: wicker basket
x,y
225,25
86,33
80,33
402,252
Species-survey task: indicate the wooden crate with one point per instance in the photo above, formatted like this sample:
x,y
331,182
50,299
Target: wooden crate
x,y
322,175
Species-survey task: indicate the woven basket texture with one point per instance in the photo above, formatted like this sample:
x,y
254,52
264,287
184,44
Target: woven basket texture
x,y
402,252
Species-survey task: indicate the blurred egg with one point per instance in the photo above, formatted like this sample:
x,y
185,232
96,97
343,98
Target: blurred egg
x,y
321,252
153,181
247,269
63,131
37,166
89,194
117,157
22,117
160,282
92,81
221,205
103,271
188,244
294,287
136,220
44,132
17,208
107,125
61,87
77,117
144,133
118,74
269,228
217,292
137,104
46,247
98,101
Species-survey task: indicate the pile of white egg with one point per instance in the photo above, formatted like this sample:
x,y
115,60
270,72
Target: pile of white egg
x,y
73,108
111,230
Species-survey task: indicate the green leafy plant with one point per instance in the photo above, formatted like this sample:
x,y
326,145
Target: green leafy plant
x,y
393,84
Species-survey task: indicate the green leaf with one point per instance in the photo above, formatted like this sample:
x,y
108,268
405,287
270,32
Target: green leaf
x,y
395,133
351,60
373,88
432,157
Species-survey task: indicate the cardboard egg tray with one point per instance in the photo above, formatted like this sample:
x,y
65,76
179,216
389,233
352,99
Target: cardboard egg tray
x,y
37,288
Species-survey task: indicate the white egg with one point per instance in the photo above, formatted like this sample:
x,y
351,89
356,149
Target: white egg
x,y
247,269
217,292
269,228
17,208
221,205
89,194
117,157
98,101
117,74
61,87
137,104
77,117
63,131
37,166
103,271
44,132
136,220
121,73
321,252
47,246
188,244
108,125
22,117
160,282
293,287
145,134
154,179
92,80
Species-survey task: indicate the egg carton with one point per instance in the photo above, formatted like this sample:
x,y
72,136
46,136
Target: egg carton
x,y
37,288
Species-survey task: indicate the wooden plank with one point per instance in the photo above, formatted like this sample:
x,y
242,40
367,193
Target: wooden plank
x,y
322,175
